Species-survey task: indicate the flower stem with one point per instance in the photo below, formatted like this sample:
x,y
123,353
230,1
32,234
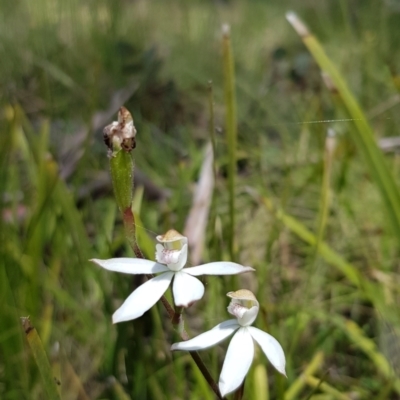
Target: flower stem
x,y
177,318
121,165
130,231
200,364
178,321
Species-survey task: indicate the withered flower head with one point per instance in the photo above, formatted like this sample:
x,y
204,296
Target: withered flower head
x,y
120,134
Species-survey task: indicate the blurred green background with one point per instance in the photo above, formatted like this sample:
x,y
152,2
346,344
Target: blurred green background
x,y
321,227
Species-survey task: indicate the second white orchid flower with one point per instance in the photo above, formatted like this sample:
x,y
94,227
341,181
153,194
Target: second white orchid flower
x,y
171,256
244,306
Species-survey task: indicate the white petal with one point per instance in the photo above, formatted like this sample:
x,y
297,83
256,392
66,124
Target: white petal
x,y
143,298
187,289
271,347
237,361
218,268
131,265
209,338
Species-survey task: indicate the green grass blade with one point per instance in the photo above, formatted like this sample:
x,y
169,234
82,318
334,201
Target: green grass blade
x,y
325,387
363,135
324,250
231,129
212,127
326,187
260,383
119,391
39,354
367,346
298,385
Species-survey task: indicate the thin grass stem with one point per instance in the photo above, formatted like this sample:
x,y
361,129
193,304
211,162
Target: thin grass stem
x,y
363,135
39,354
230,130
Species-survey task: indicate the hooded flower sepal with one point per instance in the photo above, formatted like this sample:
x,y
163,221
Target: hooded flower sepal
x,y
172,250
244,306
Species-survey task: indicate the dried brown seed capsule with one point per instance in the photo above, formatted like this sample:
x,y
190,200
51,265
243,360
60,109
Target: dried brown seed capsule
x,y
121,133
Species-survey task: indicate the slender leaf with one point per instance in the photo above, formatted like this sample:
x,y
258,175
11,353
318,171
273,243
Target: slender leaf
x,y
363,135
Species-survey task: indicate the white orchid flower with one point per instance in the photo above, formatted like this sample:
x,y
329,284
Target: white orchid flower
x,y
171,256
244,306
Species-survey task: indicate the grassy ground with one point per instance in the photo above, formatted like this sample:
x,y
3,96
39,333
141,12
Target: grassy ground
x,y
321,228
